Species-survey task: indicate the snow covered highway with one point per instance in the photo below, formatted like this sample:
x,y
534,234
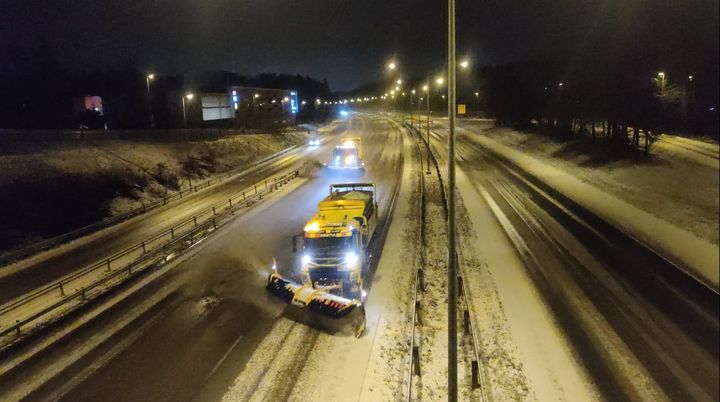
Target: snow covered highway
x,y
642,327
565,304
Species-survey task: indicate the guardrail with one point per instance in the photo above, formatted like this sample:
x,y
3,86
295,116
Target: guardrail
x,y
177,195
88,282
469,328
414,364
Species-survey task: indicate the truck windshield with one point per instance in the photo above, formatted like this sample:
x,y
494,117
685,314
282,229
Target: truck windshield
x,y
329,246
341,152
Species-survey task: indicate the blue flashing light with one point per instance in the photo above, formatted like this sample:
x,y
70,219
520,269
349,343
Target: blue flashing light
x,y
344,113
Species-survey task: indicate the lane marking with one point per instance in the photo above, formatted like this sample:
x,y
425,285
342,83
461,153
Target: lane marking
x,y
222,359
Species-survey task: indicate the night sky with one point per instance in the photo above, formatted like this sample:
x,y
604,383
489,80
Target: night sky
x,y
347,42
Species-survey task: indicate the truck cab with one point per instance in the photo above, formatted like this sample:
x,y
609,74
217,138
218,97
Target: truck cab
x,y
335,247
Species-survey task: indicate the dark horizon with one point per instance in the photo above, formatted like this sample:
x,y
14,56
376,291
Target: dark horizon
x,y
348,44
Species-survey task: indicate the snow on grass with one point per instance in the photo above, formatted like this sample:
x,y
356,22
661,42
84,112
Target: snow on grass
x,y
434,304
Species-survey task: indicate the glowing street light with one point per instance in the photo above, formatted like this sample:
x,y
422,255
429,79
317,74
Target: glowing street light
x,y
464,64
440,80
392,65
399,82
425,88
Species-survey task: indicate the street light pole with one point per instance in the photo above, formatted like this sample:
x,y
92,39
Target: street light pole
x,y
427,113
452,254
184,115
147,82
189,97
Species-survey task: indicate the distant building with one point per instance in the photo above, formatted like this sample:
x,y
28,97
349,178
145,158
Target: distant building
x,y
258,108
86,103
263,107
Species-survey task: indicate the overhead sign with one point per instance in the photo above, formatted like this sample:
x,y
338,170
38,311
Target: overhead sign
x,y
461,108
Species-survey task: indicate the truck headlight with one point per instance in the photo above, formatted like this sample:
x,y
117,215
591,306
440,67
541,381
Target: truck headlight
x,y
306,259
350,160
351,258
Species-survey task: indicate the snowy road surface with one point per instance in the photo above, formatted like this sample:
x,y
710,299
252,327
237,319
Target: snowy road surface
x,y
196,340
566,306
641,327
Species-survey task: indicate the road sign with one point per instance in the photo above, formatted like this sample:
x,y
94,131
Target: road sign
x,y
461,108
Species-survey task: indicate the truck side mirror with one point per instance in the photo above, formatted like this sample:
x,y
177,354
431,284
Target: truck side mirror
x,y
298,238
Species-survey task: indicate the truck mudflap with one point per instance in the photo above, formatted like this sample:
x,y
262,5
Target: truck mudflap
x,y
319,309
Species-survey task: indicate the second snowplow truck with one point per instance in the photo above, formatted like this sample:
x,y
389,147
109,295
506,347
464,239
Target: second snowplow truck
x,y
347,156
336,239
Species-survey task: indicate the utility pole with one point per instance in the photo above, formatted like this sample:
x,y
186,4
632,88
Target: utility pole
x,y
452,254
427,110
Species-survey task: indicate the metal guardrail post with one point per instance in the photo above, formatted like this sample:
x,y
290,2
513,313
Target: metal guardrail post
x,y
144,248
213,211
475,369
195,220
466,321
460,285
62,289
417,312
421,278
108,264
416,360
172,233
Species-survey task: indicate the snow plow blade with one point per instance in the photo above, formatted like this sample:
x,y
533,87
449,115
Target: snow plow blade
x,y
318,309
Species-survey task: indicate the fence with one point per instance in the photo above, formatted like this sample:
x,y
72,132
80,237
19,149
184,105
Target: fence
x,y
177,195
468,327
89,281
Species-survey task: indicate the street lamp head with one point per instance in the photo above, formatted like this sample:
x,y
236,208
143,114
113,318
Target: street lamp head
x,y
256,96
397,88
189,96
464,64
690,78
392,65
286,99
440,80
412,92
151,76
425,88
661,74
477,93
399,82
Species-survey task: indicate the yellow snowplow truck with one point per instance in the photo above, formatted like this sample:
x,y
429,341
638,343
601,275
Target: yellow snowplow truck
x,y
347,156
335,257
335,252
